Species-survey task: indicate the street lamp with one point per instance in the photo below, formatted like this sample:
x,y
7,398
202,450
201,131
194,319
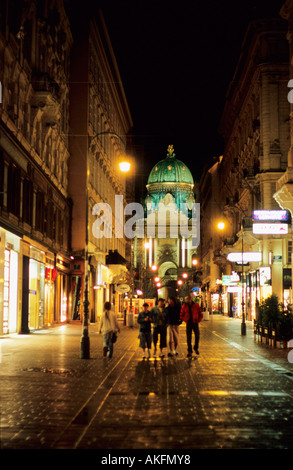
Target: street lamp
x,y
124,166
221,225
243,324
85,340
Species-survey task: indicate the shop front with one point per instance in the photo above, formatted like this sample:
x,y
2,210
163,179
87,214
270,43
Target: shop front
x,y
38,286
63,299
37,263
10,288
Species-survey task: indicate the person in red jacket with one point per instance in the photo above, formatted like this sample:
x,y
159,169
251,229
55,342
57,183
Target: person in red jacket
x,y
191,314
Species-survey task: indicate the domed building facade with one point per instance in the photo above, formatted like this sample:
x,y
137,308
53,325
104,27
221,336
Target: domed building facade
x,y
166,255
170,181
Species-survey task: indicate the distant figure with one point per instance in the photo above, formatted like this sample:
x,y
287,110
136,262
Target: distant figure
x,y
173,321
191,314
158,315
145,332
108,326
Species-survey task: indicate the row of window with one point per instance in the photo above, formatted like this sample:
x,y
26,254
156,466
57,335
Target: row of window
x,y
20,197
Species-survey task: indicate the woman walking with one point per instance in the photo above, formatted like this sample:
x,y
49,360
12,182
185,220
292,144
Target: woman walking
x,y
108,327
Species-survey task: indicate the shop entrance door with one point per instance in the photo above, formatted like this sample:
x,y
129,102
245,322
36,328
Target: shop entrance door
x,y
10,291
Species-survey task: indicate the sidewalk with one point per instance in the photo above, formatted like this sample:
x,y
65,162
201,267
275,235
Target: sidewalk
x,y
236,394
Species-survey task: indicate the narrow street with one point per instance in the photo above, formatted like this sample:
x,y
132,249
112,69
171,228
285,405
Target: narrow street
x,y
237,394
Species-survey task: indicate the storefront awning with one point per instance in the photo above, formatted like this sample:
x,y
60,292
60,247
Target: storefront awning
x,y
115,258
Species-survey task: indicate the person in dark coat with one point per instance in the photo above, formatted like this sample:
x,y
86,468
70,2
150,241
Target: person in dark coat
x,y
173,322
158,315
145,332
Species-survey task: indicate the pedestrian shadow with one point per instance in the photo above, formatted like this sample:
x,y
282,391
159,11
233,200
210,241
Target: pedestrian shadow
x,y
173,366
153,377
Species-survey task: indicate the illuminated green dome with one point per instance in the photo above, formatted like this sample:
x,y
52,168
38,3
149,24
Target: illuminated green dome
x,y
170,170
170,181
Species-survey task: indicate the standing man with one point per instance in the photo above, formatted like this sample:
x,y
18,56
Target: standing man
x,y
158,315
145,333
191,314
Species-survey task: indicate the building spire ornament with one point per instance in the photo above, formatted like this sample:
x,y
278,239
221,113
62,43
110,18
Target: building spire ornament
x,y
171,151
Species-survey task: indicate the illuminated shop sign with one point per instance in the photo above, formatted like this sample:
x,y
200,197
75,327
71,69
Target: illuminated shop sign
x,y
234,289
230,280
270,215
246,257
50,274
271,229
264,276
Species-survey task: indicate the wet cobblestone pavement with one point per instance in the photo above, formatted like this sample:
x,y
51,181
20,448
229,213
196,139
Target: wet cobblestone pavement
x,y
237,394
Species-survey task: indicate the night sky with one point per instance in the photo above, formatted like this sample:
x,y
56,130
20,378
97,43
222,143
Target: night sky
x,y
176,60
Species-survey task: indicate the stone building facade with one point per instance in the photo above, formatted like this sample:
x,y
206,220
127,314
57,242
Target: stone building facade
x,y
164,255
35,43
100,122
255,128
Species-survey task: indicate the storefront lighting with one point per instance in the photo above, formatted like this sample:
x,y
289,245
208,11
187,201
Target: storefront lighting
x,y
270,229
246,257
234,289
270,215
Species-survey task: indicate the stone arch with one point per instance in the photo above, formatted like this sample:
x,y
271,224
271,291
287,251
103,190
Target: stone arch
x,y
168,288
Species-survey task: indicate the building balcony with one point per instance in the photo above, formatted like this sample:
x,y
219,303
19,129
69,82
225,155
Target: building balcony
x,y
46,97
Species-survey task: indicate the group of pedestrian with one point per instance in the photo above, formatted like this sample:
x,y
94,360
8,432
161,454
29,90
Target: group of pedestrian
x,y
154,323
171,316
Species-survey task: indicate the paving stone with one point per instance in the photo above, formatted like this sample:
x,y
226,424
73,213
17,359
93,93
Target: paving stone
x,y
236,394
